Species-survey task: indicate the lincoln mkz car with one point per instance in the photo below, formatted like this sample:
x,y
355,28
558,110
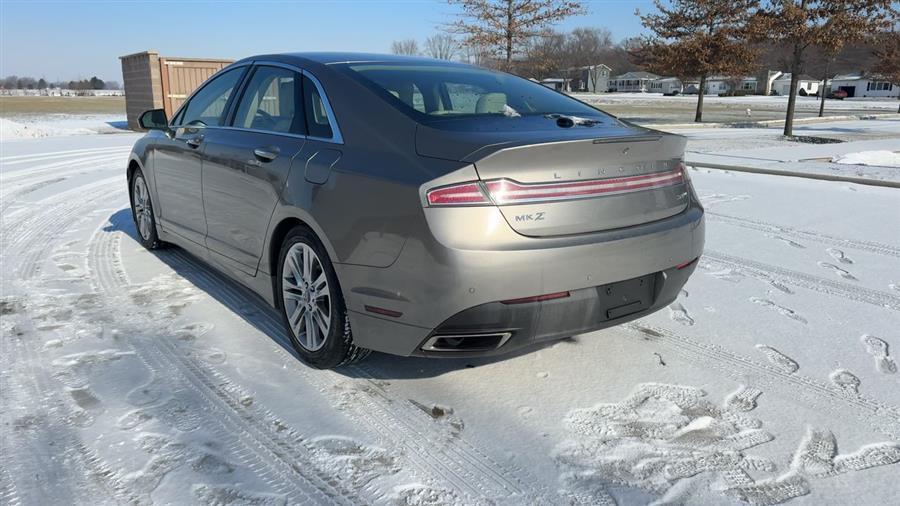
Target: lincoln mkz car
x,y
415,206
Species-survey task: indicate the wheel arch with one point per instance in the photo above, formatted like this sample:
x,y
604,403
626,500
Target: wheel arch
x,y
283,222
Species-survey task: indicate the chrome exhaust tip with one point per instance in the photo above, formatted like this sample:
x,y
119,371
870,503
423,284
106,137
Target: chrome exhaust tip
x,y
471,342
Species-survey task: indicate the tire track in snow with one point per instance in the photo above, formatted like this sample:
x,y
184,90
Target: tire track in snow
x,y
279,455
394,422
69,463
810,235
775,274
33,237
820,396
73,153
82,470
8,493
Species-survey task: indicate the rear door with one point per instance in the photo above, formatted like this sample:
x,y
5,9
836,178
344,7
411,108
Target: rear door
x,y
247,163
179,158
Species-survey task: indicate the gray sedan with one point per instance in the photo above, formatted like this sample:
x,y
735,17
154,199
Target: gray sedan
x,y
415,206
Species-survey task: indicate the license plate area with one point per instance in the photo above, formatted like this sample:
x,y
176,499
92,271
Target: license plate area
x,y
627,297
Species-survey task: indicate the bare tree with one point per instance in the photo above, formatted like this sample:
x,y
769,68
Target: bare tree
x,y
698,38
888,65
585,47
544,56
442,46
504,27
405,46
475,54
829,24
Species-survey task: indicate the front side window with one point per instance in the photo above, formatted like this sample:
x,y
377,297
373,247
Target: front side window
x,y
208,104
317,120
455,91
269,102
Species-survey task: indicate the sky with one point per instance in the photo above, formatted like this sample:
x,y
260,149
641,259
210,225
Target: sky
x,y
65,40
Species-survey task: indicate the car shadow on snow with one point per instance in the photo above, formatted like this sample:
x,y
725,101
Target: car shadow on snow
x,y
251,308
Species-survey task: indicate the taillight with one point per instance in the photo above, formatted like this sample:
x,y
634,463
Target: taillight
x,y
465,194
505,191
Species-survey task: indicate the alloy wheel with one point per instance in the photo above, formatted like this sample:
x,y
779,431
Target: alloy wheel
x,y
142,208
306,296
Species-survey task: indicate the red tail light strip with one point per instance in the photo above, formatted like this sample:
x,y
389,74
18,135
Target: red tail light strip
x,y
461,194
536,298
504,191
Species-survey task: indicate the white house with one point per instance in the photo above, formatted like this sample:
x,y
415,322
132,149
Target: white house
x,y
806,85
556,83
633,81
591,78
724,84
667,86
857,85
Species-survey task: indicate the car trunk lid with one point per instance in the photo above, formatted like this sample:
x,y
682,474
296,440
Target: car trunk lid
x,y
589,185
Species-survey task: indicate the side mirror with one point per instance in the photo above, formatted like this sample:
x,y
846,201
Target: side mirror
x,y
154,119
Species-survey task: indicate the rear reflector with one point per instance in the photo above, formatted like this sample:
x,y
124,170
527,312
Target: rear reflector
x,y
457,195
505,191
536,298
383,311
682,266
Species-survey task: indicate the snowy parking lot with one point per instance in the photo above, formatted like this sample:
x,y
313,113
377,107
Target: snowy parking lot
x,y
131,376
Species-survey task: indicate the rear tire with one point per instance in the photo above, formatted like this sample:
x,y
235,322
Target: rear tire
x,y
142,211
311,303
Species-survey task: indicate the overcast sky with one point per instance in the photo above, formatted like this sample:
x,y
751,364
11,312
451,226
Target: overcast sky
x,y
73,39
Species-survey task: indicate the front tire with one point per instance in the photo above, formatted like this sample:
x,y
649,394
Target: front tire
x,y
142,211
312,305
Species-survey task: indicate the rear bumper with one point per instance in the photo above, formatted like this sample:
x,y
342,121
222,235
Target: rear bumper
x,y
452,278
521,325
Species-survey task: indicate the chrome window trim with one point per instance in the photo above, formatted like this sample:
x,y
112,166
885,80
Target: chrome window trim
x,y
336,136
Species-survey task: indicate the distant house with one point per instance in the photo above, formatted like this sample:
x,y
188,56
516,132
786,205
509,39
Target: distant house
x,y
633,81
857,85
556,83
724,84
806,85
690,87
667,86
765,80
590,78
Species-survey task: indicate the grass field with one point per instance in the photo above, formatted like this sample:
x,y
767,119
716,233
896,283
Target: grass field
x,y
17,106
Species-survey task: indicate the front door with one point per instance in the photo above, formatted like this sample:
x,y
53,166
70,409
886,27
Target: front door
x,y
178,158
246,166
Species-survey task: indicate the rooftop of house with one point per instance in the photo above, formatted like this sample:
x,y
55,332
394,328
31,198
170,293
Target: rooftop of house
x,y
637,75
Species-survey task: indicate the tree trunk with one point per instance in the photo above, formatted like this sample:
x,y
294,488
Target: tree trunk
x,y
698,118
509,34
792,96
822,91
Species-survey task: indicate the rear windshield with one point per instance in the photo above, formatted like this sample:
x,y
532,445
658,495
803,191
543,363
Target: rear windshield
x,y
433,92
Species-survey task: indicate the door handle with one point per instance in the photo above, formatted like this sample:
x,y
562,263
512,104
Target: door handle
x,y
265,155
195,142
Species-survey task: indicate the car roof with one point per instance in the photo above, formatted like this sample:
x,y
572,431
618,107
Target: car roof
x,y
329,58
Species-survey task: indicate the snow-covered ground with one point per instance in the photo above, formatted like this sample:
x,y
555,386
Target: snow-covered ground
x,y
135,377
887,105
29,126
868,149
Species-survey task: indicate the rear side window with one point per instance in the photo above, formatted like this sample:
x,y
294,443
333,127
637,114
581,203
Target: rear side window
x,y
208,105
318,123
270,102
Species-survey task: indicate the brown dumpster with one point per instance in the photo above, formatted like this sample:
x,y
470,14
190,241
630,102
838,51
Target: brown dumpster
x,y
152,81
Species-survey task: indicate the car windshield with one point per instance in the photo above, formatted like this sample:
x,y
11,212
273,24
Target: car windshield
x,y
432,92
